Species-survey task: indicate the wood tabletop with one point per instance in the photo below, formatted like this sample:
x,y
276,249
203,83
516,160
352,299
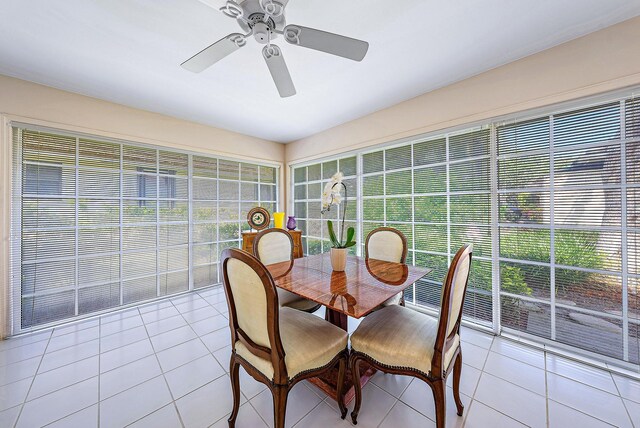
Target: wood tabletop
x,y
363,286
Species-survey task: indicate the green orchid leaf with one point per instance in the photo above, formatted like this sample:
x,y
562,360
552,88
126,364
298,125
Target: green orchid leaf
x,y
350,234
332,235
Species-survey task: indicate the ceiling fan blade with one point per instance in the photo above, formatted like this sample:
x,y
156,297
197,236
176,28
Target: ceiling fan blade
x,y
319,40
279,71
214,53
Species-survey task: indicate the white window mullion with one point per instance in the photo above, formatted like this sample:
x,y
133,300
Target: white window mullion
x,y
495,232
359,206
384,187
120,224
552,255
625,248
413,221
190,225
77,235
448,169
157,201
219,264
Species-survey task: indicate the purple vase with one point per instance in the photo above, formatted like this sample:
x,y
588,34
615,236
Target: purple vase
x,y
291,223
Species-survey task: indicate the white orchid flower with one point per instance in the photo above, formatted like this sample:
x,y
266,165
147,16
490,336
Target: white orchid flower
x,y
331,194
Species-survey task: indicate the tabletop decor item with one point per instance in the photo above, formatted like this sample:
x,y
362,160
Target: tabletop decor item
x,y
278,220
291,223
258,218
331,197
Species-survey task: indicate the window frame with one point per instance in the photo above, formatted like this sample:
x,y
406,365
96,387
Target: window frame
x,y
553,110
17,174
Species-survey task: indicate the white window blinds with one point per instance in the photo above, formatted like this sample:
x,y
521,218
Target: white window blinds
x,y
309,181
437,192
552,206
101,224
563,227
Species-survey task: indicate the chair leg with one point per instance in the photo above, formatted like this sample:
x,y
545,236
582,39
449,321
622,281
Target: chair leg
x,y
280,394
354,366
340,389
234,372
457,372
439,396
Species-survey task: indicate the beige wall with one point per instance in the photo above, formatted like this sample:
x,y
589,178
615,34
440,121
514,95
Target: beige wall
x,y
602,61
32,103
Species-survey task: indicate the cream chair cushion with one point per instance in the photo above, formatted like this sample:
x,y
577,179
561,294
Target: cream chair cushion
x,y
309,342
274,247
400,337
385,245
250,300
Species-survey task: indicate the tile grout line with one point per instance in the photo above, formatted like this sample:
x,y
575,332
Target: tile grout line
x,y
173,401
84,359
473,396
622,399
201,341
33,380
582,413
297,423
99,366
546,388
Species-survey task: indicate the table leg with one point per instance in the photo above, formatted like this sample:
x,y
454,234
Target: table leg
x,y
328,383
337,318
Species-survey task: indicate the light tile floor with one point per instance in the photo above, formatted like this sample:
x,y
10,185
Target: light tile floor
x,y
165,365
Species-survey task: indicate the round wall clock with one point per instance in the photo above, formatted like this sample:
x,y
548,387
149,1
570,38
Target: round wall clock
x,y
258,218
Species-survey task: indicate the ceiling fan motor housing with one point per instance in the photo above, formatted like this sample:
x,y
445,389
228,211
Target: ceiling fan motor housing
x,y
261,32
252,10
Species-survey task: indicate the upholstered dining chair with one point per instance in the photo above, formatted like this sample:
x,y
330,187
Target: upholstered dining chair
x,y
277,346
274,246
403,341
390,245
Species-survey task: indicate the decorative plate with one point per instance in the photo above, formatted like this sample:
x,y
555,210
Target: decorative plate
x,y
258,218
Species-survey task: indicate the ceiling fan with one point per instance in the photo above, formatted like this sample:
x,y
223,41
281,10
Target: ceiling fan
x,y
265,21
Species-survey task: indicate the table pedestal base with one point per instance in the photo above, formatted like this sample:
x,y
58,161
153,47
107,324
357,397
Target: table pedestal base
x,y
328,383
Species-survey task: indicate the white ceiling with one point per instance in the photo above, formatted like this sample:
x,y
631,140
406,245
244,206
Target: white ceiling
x,y
129,51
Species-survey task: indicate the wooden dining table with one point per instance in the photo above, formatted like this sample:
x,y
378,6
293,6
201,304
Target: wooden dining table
x,y
363,286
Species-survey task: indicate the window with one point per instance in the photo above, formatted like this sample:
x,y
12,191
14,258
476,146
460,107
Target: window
x,y
561,180
42,179
101,224
309,182
550,203
437,192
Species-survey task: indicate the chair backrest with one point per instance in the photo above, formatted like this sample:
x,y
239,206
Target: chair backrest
x,y
253,307
387,244
273,246
453,293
